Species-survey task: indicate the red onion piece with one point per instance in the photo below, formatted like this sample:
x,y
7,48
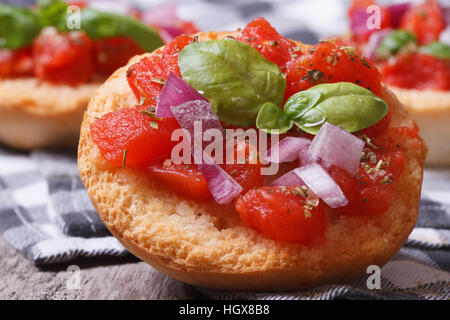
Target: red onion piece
x,y
334,146
222,186
446,13
321,183
175,92
168,33
305,157
286,150
199,111
288,179
358,22
374,42
396,12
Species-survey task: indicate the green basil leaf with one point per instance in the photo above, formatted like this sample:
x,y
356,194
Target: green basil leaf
x,y
98,25
234,77
437,49
343,104
272,119
394,42
18,27
51,11
300,103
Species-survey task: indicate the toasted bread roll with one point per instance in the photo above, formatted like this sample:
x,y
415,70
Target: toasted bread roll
x,y
431,111
209,245
35,114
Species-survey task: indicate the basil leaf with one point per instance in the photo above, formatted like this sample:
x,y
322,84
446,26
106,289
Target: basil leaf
x,y
234,77
272,119
98,25
298,104
51,11
343,104
18,27
436,49
394,42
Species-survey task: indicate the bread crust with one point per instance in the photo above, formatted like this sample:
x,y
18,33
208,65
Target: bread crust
x,y
431,111
36,114
208,245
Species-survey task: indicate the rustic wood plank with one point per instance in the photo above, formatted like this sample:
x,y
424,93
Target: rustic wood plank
x,y
100,278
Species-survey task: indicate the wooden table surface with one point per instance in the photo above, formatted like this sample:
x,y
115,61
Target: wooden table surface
x,y
100,278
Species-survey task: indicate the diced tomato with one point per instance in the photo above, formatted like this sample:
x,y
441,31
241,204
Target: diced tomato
x,y
16,63
186,180
417,71
188,28
113,53
426,21
247,170
371,191
413,132
145,139
280,213
146,77
264,38
63,57
328,62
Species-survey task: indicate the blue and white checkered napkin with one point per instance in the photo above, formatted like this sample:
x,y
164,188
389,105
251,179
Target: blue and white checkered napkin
x,y
46,214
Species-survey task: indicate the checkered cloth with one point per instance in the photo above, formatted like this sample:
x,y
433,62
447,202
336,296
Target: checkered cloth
x,y
46,214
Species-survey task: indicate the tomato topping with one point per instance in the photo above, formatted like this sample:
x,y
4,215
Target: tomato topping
x,y
113,53
63,57
146,77
264,38
426,21
16,63
145,139
327,62
185,180
188,28
246,171
371,191
417,71
281,213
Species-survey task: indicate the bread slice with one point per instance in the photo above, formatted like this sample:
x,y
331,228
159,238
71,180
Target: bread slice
x,y
208,244
431,111
35,114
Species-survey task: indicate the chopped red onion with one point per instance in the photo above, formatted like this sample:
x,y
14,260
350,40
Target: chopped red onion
x,y
288,179
374,42
168,33
175,92
305,157
446,12
334,146
193,111
286,150
396,13
222,186
358,22
321,183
